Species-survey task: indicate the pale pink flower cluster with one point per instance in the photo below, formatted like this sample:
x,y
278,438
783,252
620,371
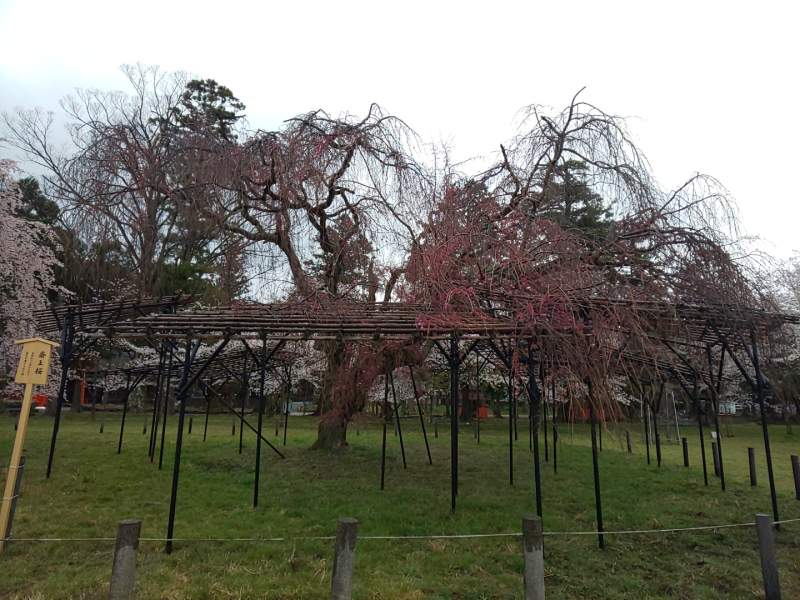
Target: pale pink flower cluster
x,y
26,276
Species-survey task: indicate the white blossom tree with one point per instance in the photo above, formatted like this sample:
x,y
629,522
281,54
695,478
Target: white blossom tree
x,y
26,273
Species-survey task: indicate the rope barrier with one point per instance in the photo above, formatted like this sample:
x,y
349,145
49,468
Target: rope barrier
x,y
327,538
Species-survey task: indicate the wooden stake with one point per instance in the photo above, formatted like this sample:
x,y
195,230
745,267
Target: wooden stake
x,y
16,455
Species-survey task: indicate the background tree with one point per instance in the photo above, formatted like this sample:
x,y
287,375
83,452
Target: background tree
x,y
123,186
543,248
331,203
26,269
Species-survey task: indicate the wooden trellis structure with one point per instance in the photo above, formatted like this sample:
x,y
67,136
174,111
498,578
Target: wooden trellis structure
x,y
716,329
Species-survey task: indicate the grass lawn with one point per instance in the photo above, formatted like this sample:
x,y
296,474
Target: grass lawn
x,y
92,487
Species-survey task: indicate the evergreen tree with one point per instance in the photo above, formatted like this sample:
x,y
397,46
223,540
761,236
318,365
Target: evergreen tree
x,y
572,203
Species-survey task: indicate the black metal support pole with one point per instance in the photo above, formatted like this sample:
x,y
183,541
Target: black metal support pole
x,y
128,391
124,412
600,432
157,401
244,422
383,446
530,430
751,459
455,363
700,427
555,451
658,449
760,385
647,429
544,408
658,437
167,394
510,428
260,419
208,411
555,431
182,394
535,399
685,452
546,444
245,386
715,456
397,421
716,388
67,335
596,468
537,474
422,420
655,410
288,398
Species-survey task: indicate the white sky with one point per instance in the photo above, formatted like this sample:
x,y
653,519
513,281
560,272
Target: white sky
x,y
709,86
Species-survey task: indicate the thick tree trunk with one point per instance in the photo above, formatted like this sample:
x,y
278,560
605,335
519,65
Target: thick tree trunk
x,y
349,376
497,408
331,434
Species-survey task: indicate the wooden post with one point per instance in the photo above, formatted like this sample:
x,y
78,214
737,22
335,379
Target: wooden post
x,y
628,438
796,472
191,420
123,573
344,556
751,455
533,554
769,562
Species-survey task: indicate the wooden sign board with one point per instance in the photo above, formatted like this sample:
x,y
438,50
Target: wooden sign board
x,y
34,364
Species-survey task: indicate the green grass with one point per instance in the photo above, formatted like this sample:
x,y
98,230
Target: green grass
x,y
92,488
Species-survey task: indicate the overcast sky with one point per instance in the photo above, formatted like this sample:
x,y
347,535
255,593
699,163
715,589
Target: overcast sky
x,y
708,86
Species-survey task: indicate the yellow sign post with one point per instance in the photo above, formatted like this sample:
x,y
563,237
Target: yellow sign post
x,y
33,369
